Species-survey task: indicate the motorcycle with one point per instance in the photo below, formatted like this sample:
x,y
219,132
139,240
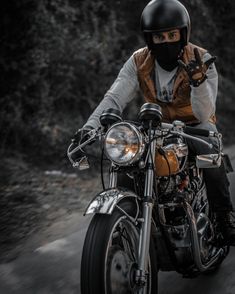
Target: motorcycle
x,y
160,220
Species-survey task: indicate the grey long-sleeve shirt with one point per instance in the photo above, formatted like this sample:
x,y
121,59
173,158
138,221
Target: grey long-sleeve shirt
x,y
126,85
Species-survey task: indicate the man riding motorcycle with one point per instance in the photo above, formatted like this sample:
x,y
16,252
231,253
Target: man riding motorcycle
x,y
180,77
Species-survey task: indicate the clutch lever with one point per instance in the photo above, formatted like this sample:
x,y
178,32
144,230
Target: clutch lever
x,y
192,137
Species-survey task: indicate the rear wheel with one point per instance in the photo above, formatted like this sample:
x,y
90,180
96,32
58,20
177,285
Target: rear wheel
x,y
110,254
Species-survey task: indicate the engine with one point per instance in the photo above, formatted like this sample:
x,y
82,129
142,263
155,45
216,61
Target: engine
x,y
187,186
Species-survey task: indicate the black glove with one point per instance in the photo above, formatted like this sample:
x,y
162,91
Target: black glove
x,y
81,136
196,69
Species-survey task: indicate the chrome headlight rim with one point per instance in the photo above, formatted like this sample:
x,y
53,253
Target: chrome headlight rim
x,y
141,145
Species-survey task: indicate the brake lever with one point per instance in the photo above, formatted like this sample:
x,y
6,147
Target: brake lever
x,y
192,137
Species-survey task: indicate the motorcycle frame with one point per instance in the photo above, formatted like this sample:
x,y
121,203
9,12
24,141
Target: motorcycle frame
x,y
106,201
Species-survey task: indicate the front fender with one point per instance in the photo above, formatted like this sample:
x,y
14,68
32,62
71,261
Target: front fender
x,y
106,201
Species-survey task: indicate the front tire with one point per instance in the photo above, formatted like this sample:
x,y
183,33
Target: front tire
x,y
110,253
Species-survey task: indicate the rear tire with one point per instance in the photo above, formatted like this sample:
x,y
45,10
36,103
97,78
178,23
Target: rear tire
x,y
109,255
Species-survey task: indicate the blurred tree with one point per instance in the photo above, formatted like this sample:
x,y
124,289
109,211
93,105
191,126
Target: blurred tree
x,y
58,58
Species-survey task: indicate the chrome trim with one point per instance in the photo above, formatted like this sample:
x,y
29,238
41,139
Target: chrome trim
x,y
147,208
112,177
212,134
208,161
193,138
106,201
167,126
195,242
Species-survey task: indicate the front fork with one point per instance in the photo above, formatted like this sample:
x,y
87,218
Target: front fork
x,y
147,207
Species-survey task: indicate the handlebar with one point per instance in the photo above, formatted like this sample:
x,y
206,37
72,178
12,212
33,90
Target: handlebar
x,y
193,138
177,128
191,130
199,132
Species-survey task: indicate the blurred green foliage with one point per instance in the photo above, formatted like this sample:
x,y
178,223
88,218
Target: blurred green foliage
x,y
58,57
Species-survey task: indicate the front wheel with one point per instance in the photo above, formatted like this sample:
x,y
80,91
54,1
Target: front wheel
x,y
110,253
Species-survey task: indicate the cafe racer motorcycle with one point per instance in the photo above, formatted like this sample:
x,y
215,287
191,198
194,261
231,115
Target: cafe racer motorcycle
x,y
161,221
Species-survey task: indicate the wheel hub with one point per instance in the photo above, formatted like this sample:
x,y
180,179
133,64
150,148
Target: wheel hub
x,y
120,275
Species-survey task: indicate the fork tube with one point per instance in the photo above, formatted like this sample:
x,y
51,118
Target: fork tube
x,y
112,177
147,207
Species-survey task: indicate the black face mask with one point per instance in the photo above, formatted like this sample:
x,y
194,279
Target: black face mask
x,y
167,54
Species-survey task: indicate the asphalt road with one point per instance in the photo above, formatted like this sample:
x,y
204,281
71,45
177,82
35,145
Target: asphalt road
x,y
54,268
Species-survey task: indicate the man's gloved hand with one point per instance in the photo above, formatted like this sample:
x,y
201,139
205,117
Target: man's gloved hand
x,y
81,136
196,69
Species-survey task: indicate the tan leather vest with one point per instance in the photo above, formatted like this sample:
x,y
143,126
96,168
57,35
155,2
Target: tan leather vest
x,y
180,108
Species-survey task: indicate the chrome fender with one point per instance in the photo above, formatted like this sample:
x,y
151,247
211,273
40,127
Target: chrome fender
x,y
106,201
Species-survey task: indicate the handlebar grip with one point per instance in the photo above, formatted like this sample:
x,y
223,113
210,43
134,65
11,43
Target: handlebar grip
x,y
198,132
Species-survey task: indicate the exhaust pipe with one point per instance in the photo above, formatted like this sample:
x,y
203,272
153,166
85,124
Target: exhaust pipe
x,y
195,244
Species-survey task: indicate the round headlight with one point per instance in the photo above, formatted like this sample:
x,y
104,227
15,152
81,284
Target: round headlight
x,y
124,144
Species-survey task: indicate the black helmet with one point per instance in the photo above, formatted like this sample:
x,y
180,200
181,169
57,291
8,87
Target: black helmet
x,y
164,15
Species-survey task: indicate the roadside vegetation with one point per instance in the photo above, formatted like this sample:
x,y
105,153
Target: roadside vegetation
x,y
59,57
